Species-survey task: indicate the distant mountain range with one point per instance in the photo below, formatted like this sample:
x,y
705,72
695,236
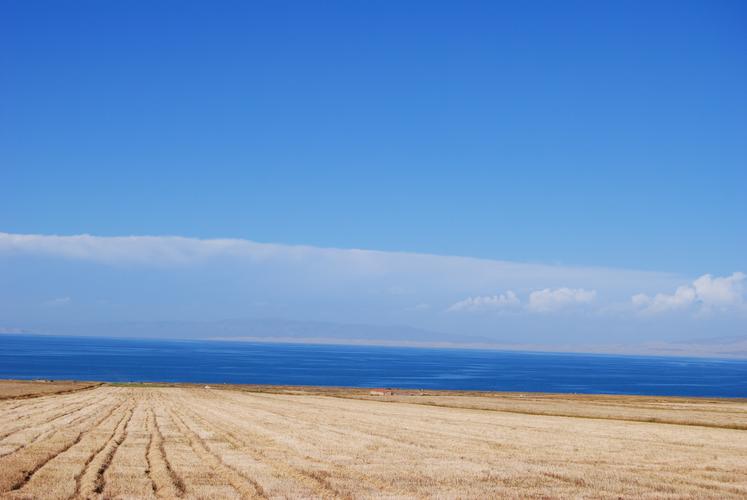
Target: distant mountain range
x,y
319,332
254,329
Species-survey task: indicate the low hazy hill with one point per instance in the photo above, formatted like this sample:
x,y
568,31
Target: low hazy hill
x,y
319,332
267,329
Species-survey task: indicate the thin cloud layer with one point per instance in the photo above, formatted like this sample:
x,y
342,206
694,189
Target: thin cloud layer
x,y
148,250
706,294
548,300
539,301
58,302
402,270
175,278
503,301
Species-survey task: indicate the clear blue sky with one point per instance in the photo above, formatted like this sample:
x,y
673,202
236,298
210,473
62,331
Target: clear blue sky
x,y
588,133
573,132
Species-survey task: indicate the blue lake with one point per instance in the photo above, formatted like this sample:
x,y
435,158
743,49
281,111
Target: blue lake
x,y
86,358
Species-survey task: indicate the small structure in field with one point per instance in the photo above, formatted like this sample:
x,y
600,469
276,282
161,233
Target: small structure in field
x,y
381,392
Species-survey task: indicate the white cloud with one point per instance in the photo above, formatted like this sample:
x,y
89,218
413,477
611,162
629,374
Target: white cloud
x,y
58,302
399,270
720,292
135,249
350,283
682,298
507,300
186,278
549,300
706,293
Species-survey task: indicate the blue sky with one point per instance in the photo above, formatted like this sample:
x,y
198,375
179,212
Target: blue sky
x,y
571,134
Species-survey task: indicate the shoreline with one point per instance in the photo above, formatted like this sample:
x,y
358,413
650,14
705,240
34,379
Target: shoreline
x,y
391,393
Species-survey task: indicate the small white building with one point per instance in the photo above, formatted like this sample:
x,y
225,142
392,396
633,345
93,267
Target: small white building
x,y
381,392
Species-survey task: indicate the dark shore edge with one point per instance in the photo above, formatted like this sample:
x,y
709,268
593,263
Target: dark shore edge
x,y
355,391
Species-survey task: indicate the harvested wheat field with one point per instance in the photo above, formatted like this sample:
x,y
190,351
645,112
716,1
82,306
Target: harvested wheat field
x,y
17,389
198,442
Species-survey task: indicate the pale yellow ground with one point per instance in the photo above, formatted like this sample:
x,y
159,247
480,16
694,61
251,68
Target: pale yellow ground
x,y
195,442
18,389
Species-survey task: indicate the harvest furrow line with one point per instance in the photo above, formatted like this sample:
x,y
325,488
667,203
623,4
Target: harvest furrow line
x,y
357,433
313,478
148,462
166,483
92,479
249,403
52,394
55,404
645,420
87,463
25,407
382,432
145,442
244,486
664,485
47,411
706,486
77,406
269,439
460,435
62,440
27,475
62,471
345,415
41,435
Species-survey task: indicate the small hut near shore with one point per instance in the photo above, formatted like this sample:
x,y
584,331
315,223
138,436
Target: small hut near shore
x,y
381,392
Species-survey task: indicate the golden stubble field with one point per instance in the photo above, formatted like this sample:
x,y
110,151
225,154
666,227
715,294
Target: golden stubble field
x,y
197,442
19,389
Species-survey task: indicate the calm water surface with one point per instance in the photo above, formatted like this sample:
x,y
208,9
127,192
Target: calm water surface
x,y
29,357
